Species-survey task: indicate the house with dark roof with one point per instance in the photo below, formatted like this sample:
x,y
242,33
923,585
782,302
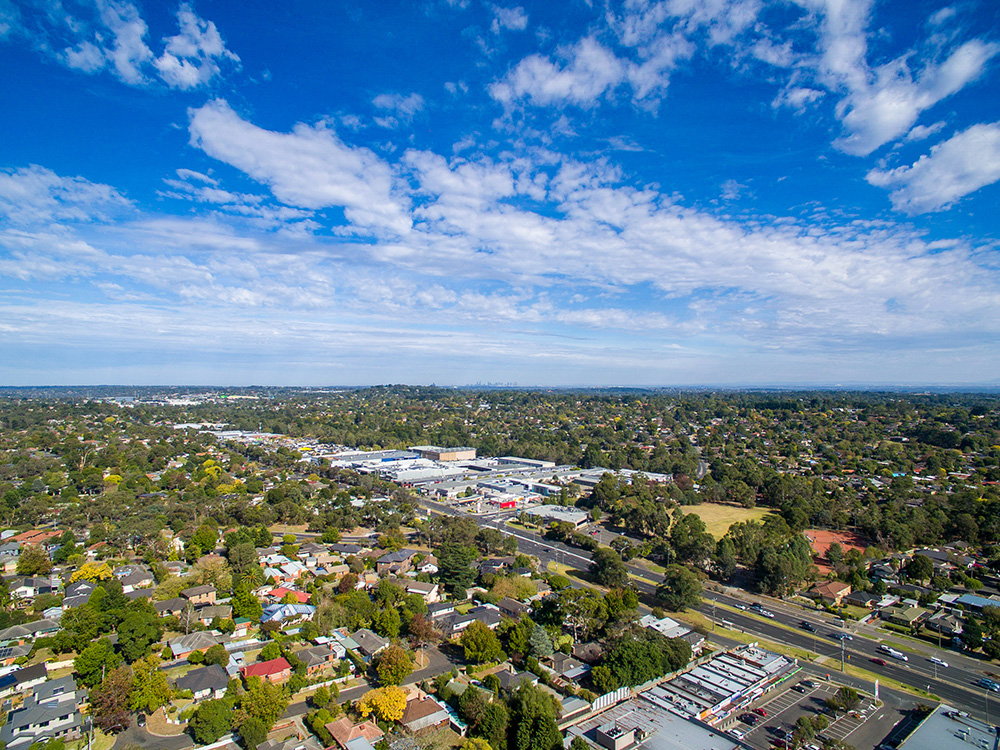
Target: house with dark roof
x,y
208,613
862,599
513,608
199,640
171,607
204,683
291,743
369,644
200,594
78,593
395,563
23,679
51,711
317,658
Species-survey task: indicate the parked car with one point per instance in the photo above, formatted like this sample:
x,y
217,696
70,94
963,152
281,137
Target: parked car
x,y
799,688
808,683
760,712
749,719
736,733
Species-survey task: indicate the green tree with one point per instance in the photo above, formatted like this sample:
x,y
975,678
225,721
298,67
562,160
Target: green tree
x,y
211,720
244,603
607,568
217,654
150,689
136,633
393,665
33,561
920,568
262,701
481,644
540,643
95,661
680,589
455,565
972,634
253,732
533,717
270,651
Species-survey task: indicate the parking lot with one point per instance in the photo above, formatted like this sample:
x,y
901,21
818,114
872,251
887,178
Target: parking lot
x,y
864,728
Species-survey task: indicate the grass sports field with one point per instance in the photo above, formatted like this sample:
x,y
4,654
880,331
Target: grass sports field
x,y
718,518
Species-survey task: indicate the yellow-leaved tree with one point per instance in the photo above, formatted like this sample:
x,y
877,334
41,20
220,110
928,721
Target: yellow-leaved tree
x,y
387,703
91,571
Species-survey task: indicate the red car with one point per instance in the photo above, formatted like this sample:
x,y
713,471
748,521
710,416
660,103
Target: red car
x,y
760,712
880,662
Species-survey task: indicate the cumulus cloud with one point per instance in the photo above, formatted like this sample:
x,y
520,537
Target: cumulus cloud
x,y
311,167
953,169
588,70
191,58
113,35
513,19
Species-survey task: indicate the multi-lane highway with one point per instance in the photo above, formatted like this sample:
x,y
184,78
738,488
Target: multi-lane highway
x,y
955,684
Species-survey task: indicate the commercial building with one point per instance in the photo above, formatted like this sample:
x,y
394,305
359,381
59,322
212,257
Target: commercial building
x,y
946,727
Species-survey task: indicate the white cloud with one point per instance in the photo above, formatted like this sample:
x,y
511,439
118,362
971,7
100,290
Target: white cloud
x,y
191,58
797,97
307,168
35,195
399,108
952,170
921,132
113,35
589,71
513,19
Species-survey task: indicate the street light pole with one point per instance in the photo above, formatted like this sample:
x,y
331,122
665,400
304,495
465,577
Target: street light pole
x,y
842,651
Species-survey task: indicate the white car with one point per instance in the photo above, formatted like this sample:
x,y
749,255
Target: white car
x,y
736,733
939,662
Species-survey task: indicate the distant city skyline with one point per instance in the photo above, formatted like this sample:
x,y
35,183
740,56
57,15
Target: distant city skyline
x,y
640,193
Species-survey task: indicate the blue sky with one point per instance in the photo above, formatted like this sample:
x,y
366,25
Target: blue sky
x,y
576,193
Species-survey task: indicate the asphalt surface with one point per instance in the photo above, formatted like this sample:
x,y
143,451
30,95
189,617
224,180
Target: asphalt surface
x,y
955,684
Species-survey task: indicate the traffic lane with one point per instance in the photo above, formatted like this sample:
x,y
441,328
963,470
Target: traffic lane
x,y
956,694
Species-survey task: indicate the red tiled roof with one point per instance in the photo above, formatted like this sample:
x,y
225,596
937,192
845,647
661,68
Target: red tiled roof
x,y
266,668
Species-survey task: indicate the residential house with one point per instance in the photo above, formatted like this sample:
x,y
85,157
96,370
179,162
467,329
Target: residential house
x,y
566,667
946,624
831,592
199,640
133,577
430,592
317,658
346,550
369,644
291,743
495,565
51,711
78,593
395,563
350,736
513,608
455,624
906,616
23,679
28,587
510,680
10,654
862,599
208,613
423,714
28,631
204,594
277,595
275,671
284,614
171,607
428,565
204,683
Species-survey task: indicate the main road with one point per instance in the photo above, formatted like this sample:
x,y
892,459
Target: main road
x,y
955,684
